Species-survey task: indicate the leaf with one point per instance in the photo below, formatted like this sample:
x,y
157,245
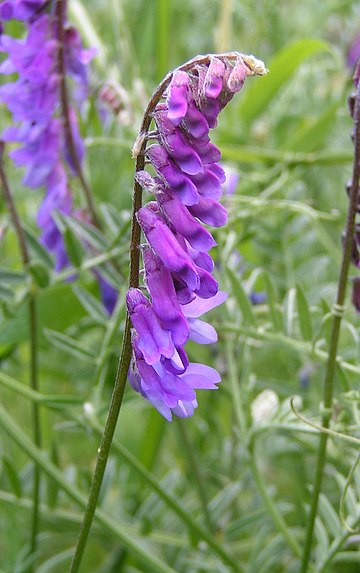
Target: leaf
x,y
289,311
6,292
39,272
12,277
241,297
13,476
37,248
322,538
275,313
305,322
91,305
52,488
86,231
281,69
314,133
329,516
69,345
74,247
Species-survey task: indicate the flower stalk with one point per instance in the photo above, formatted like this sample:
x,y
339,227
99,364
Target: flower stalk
x,y
338,309
65,111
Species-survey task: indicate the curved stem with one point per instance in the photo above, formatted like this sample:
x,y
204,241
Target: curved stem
x,y
33,347
334,336
65,110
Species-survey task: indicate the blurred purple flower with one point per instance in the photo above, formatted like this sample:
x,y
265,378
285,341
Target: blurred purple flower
x,y
353,52
33,98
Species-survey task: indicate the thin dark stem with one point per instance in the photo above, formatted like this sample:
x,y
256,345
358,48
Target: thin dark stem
x,y
33,347
334,337
65,110
134,267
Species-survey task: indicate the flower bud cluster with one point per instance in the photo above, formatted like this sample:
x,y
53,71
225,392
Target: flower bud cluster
x,y
187,183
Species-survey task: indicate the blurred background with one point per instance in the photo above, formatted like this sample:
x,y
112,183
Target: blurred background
x,y
244,459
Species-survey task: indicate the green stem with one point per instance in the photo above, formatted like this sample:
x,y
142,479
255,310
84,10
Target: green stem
x,y
334,337
60,11
36,425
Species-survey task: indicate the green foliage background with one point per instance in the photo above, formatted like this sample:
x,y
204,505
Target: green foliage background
x,y
226,490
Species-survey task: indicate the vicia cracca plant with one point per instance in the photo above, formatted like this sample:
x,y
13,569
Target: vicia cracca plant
x,y
186,183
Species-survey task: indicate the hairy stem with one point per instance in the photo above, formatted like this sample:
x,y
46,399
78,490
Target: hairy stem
x,y
36,426
334,336
65,110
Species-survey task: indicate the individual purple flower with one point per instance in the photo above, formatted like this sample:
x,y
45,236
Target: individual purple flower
x,y
178,268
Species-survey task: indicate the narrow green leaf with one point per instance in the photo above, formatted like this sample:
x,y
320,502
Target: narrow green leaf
x,y
11,277
312,136
83,231
329,515
52,488
37,249
91,305
305,322
39,272
6,293
13,476
289,311
275,314
347,557
241,297
74,247
115,220
321,537
69,345
281,69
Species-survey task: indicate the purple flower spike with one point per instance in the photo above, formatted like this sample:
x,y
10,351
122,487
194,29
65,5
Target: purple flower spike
x,y
20,9
178,267
177,145
210,212
172,175
163,297
177,97
184,223
195,123
208,285
208,184
154,341
167,247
